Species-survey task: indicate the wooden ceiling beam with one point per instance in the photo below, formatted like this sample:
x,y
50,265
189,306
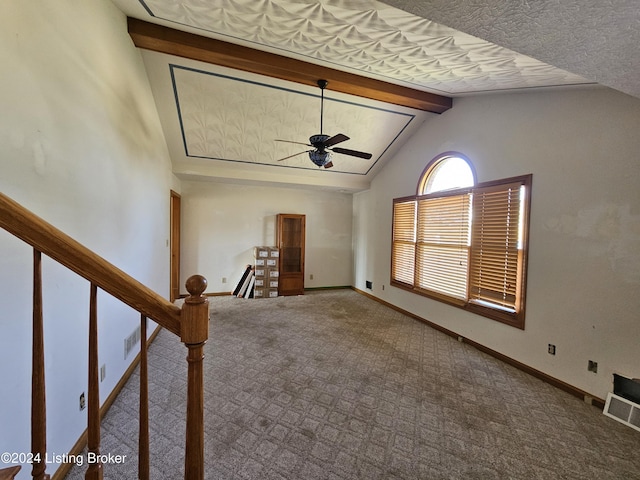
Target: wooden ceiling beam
x,y
167,40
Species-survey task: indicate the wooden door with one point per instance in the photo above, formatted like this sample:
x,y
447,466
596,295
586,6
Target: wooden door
x,y
175,246
290,239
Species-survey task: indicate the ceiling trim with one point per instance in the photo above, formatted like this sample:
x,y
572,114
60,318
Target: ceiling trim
x,y
167,40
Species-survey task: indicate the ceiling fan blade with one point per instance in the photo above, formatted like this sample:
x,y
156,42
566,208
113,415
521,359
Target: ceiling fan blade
x,y
328,165
294,155
297,143
353,153
341,137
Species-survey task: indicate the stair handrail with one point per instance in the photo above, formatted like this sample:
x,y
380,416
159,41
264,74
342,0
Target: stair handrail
x,y
190,323
59,246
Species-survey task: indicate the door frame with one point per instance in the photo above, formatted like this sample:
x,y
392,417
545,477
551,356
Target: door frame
x,y
174,245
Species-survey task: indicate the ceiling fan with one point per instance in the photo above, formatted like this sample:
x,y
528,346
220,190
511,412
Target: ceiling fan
x,y
321,143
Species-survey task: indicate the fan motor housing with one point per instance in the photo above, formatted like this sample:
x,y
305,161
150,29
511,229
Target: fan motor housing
x,y
318,141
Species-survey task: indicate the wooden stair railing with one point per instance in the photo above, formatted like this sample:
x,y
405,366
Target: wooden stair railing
x,y
190,323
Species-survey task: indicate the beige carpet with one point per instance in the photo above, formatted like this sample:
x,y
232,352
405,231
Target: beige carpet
x,y
332,385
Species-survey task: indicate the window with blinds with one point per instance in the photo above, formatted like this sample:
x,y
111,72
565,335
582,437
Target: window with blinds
x,y
404,241
466,247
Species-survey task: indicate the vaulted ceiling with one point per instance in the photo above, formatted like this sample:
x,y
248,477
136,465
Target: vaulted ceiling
x,y
233,78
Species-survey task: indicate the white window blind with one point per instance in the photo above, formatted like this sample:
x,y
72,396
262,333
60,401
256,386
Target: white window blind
x,y
443,244
404,241
495,256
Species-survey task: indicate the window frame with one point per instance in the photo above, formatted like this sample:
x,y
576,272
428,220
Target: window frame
x,y
515,319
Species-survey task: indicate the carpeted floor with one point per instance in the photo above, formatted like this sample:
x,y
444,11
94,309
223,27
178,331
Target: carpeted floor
x,y
332,385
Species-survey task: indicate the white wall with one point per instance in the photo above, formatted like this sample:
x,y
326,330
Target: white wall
x,y
81,146
221,223
584,259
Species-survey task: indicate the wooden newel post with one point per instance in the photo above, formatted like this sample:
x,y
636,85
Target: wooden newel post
x,y
194,332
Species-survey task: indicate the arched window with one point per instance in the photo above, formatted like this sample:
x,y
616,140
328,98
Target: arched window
x,y
446,172
464,243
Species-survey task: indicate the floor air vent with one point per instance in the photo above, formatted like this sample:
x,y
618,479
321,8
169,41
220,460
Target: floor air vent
x,y
623,410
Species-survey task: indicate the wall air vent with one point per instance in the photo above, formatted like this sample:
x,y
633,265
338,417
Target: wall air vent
x,y
131,342
623,410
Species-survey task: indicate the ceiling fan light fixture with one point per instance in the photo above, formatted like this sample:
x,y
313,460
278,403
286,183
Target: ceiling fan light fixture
x,y
320,158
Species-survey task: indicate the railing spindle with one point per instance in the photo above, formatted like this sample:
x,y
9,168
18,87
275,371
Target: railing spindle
x,y
194,333
38,391
143,439
94,472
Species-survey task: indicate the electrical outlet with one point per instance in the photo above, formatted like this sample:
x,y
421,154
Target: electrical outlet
x,y
551,349
311,277
224,279
103,372
82,401
592,366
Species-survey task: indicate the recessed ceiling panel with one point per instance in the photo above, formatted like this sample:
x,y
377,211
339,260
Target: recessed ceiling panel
x,y
224,117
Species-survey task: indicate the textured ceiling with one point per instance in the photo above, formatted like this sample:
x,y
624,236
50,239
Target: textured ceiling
x,y
368,37
222,123
597,39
